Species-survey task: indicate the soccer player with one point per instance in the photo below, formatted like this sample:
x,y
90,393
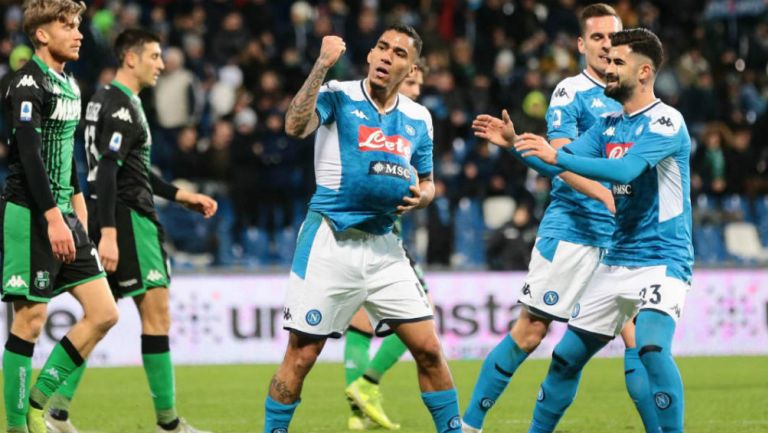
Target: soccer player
x,y
572,236
126,227
644,152
45,246
373,160
362,375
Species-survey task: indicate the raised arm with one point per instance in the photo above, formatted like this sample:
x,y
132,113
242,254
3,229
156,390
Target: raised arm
x,y
301,118
588,187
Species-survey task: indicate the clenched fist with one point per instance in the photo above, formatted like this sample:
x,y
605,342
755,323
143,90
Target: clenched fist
x,y
331,50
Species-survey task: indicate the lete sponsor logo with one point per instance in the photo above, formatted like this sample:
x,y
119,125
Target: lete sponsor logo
x,y
617,150
374,139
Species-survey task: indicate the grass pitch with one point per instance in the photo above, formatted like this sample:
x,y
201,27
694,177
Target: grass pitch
x,y
723,395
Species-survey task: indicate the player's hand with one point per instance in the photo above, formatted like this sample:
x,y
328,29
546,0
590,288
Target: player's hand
x,y
331,50
60,236
608,201
536,145
108,251
500,132
410,203
200,203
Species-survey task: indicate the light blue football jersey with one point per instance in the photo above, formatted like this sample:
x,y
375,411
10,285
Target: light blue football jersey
x,y
576,104
364,160
653,212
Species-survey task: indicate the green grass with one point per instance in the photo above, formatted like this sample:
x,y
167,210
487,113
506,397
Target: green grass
x,y
723,395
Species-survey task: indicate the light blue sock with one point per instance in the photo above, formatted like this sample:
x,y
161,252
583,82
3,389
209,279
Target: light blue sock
x,y
654,333
277,416
639,389
497,371
444,407
559,387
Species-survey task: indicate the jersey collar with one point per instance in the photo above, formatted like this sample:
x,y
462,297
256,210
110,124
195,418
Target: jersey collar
x,y
47,69
592,79
370,100
122,87
644,109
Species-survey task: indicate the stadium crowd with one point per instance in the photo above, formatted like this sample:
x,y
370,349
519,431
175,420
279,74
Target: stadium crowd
x,y
233,66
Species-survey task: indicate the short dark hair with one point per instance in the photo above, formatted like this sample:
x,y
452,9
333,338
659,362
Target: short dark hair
x,y
594,11
641,41
133,39
410,32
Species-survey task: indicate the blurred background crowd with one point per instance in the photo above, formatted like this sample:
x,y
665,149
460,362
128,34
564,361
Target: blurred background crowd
x,y
232,68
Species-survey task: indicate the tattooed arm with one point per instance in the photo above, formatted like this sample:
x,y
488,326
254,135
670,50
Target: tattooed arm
x,y
301,119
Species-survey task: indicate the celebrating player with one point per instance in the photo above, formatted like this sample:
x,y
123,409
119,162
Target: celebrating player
x,y
373,160
573,233
644,152
126,226
362,375
45,246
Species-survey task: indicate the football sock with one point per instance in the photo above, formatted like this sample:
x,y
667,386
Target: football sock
x,y
390,351
495,374
278,416
61,363
636,379
559,387
654,333
62,399
356,347
444,407
156,357
17,377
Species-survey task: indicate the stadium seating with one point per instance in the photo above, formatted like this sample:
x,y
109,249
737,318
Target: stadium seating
x,y
743,242
497,210
708,244
469,230
761,218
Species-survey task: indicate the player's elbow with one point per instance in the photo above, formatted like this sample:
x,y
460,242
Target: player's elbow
x,y
295,130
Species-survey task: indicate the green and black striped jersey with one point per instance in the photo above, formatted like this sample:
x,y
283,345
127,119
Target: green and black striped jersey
x,y
49,102
116,127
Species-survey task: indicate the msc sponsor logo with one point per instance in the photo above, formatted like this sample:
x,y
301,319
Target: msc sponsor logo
x,y
622,190
617,150
374,139
313,317
386,168
66,109
551,298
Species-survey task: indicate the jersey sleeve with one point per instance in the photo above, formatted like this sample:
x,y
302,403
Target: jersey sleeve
x,y
563,114
326,104
26,101
118,131
662,138
422,156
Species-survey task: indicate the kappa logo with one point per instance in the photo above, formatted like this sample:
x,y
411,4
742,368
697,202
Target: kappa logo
x,y
610,131
154,275
123,114
664,121
617,150
16,282
374,139
27,81
527,289
53,373
287,314
561,93
677,310
359,114
597,103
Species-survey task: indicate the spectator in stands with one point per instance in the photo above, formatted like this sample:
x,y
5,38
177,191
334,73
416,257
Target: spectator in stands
x,y
709,161
509,247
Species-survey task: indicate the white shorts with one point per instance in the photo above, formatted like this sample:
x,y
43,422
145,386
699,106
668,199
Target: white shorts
x,y
558,274
616,293
335,273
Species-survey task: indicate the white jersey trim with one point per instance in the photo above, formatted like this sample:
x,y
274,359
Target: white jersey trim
x,y
566,90
670,189
328,157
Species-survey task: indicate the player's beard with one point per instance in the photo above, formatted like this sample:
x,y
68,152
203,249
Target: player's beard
x,y
621,91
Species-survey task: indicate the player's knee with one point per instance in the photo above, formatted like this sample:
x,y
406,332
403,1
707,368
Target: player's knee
x,y
564,367
28,326
428,355
304,358
106,319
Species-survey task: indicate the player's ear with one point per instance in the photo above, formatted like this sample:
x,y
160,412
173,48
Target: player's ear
x,y
368,57
42,35
580,45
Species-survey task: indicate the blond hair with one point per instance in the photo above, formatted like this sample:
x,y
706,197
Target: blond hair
x,y
40,12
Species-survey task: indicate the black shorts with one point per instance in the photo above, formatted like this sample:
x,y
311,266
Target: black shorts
x,y
29,269
142,262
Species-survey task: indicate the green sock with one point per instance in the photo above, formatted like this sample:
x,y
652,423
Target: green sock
x,y
355,354
63,360
66,392
17,377
388,354
156,355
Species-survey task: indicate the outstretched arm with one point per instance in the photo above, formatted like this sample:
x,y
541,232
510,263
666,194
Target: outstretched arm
x,y
588,187
301,119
